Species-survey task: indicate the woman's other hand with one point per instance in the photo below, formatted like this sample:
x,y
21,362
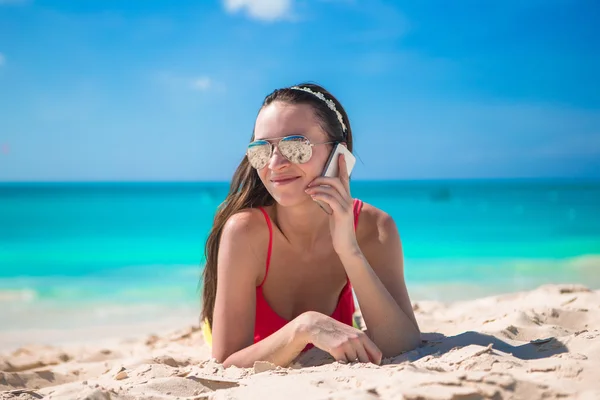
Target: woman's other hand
x,y
345,343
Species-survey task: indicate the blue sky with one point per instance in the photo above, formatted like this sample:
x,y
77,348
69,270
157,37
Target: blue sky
x,y
110,90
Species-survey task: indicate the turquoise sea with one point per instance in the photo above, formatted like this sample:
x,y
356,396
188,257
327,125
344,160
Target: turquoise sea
x,y
91,254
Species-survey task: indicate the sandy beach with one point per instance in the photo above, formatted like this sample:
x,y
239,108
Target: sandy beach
x,y
540,344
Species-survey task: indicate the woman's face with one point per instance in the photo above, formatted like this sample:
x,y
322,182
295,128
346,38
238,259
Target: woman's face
x,y
285,180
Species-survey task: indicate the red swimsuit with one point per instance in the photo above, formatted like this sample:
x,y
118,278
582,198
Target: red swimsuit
x,y
268,321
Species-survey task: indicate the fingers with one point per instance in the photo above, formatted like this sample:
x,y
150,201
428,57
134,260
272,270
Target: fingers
x,y
372,350
325,207
351,349
330,196
327,181
333,204
343,168
331,181
357,348
343,342
339,355
361,354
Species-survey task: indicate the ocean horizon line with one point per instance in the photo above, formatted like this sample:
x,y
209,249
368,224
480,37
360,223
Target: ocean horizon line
x,y
565,180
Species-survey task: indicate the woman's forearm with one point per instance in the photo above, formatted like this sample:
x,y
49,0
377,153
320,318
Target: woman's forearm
x,y
388,325
280,348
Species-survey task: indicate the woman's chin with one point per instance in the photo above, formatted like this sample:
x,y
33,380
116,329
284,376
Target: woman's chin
x,y
291,199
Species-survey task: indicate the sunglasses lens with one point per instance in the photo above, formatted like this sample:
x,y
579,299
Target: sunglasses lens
x,y
258,153
297,149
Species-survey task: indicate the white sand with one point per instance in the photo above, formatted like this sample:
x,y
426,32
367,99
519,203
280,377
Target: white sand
x,y
542,344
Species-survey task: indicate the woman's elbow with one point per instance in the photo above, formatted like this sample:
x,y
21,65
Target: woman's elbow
x,y
230,358
401,344
229,362
223,356
230,353
219,356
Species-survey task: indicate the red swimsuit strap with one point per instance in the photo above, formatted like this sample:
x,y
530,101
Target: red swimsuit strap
x,y
270,243
357,207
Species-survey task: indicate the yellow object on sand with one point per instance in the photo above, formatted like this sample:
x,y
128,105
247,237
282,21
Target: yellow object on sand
x,y
206,332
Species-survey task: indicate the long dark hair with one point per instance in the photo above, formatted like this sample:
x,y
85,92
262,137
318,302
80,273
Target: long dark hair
x,y
246,189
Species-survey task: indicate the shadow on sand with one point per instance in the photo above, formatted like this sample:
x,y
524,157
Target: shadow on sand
x,y
437,344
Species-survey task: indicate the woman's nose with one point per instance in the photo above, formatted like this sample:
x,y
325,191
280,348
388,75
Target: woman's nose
x,y
277,160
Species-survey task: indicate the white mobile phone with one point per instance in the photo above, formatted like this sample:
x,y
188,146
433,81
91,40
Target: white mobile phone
x,y
331,167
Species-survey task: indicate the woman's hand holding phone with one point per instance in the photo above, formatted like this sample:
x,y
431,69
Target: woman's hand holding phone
x,y
335,192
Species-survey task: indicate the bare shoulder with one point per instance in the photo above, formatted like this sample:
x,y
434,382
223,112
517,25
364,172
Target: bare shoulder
x,y
244,242
244,224
376,227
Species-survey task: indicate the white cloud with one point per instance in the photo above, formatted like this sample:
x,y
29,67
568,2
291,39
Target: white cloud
x,y
266,10
2,59
202,83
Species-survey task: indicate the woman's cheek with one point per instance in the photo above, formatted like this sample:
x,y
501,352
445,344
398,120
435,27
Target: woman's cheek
x,y
314,170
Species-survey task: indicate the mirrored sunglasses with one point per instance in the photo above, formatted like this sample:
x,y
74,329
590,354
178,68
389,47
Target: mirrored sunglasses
x,y
296,148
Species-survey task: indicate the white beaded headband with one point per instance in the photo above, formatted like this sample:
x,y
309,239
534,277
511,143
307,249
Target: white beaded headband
x,y
329,103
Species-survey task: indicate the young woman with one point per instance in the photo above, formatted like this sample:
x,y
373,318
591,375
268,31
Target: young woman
x,y
280,270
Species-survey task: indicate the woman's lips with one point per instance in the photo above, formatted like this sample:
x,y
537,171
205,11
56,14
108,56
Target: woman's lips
x,y
284,181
